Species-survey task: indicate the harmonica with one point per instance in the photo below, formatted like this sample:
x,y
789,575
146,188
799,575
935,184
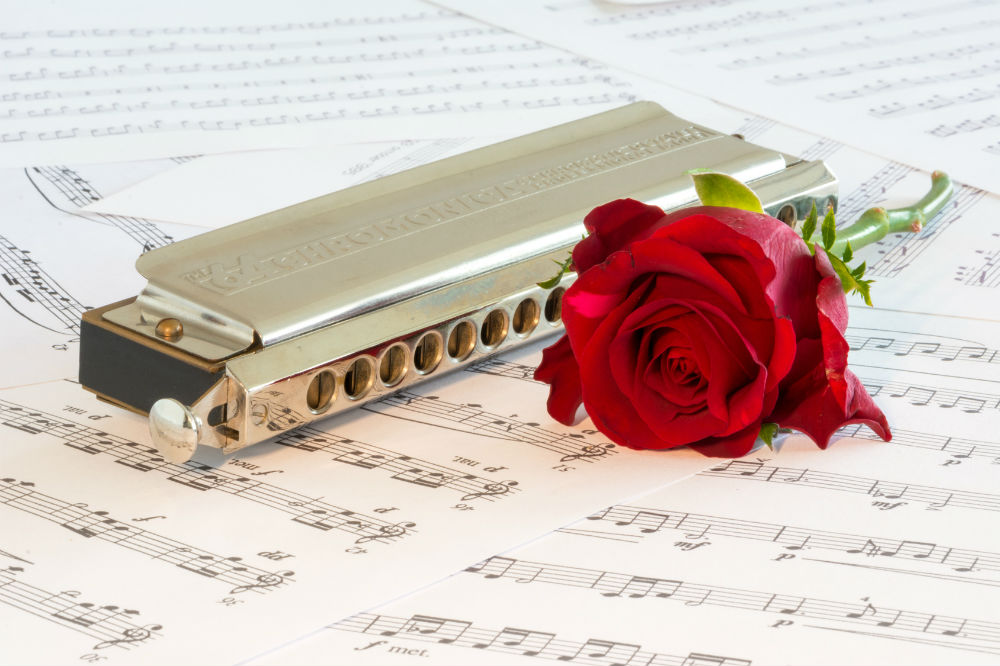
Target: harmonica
x,y
250,330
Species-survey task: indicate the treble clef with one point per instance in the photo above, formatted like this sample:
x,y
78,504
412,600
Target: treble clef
x,y
589,451
491,490
387,532
264,581
131,635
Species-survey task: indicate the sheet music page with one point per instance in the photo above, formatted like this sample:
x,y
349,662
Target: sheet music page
x,y
758,560
107,83
879,552
109,553
57,261
91,570
915,82
247,184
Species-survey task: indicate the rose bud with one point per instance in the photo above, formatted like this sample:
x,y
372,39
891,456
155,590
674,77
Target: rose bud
x,y
698,326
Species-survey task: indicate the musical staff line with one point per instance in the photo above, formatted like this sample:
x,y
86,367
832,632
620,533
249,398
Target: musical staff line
x,y
899,250
217,80
960,448
79,192
920,395
344,79
34,294
77,518
401,467
524,642
110,625
886,63
986,273
893,494
871,191
822,149
755,126
903,343
962,633
500,368
308,511
472,419
646,521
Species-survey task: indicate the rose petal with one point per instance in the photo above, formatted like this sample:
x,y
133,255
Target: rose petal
x,y
559,369
792,262
612,227
820,413
731,446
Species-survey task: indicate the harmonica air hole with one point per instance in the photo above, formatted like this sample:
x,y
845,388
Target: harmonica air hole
x,y
321,390
553,306
427,352
788,215
461,341
359,378
392,366
494,329
218,415
525,317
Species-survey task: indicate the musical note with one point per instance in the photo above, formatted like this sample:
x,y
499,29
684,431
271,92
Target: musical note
x,y
312,55
104,622
491,490
472,419
101,526
131,636
388,532
614,584
204,478
800,538
616,654
399,467
935,498
61,183
34,294
521,641
265,581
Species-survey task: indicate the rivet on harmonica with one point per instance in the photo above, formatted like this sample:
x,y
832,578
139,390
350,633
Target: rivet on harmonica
x,y
262,326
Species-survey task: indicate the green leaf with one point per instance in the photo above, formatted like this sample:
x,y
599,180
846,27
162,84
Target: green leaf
x,y
555,279
809,226
767,433
848,253
851,280
863,287
859,271
829,229
718,189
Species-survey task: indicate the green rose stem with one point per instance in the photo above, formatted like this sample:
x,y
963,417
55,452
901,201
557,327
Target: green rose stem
x,y
876,223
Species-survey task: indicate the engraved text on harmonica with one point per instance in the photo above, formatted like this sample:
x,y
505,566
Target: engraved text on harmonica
x,y
247,270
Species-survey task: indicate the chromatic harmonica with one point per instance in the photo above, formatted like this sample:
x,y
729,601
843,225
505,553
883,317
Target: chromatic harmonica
x,y
253,329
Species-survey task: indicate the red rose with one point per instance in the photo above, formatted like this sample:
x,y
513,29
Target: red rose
x,y
696,327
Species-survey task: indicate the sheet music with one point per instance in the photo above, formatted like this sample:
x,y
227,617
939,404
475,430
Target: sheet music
x,y
190,77
248,184
56,261
112,553
868,541
865,549
143,559
916,83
